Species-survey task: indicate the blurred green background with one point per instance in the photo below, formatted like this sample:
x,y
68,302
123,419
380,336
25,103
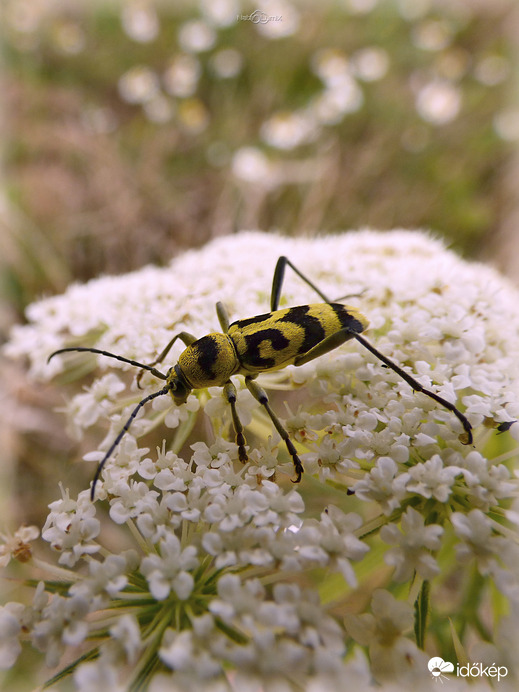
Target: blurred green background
x,y
134,130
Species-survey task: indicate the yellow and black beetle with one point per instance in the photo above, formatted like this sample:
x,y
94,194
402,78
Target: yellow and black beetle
x,y
291,336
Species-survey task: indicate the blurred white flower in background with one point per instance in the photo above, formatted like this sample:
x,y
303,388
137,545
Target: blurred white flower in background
x,y
139,84
196,36
181,76
226,63
438,102
285,130
251,164
276,19
140,21
220,13
370,64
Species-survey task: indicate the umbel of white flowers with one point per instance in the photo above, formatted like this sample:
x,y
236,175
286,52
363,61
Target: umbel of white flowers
x,y
232,577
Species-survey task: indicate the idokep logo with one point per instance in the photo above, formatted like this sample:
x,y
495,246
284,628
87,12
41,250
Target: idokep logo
x,y
438,667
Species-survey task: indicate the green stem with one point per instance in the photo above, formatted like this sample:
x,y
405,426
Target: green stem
x,y
421,612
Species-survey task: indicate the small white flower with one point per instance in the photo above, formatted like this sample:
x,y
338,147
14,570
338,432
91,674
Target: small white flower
x,y
98,675
10,629
339,541
170,570
302,426
189,652
218,406
180,414
264,461
105,578
126,633
215,456
414,543
168,472
331,457
487,483
383,485
63,623
156,521
235,597
131,501
391,653
87,408
390,619
432,479
479,540
17,545
71,528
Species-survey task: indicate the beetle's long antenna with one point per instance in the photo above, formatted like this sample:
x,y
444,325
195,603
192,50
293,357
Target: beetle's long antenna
x,y
151,369
121,434
417,386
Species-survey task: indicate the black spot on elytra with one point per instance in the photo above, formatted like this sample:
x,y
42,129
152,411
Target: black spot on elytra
x,y
346,319
313,330
251,320
252,356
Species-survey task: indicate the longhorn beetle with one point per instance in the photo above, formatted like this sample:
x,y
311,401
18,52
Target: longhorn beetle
x,y
292,336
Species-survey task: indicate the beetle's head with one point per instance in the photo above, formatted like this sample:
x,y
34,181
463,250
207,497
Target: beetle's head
x,y
178,386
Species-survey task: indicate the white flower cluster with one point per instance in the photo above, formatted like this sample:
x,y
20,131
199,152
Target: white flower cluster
x,y
232,568
200,587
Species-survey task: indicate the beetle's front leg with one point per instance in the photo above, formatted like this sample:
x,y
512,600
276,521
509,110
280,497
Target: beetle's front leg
x,y
186,337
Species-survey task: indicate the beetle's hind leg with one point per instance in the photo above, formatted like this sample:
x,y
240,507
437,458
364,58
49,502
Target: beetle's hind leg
x,y
261,396
277,285
277,282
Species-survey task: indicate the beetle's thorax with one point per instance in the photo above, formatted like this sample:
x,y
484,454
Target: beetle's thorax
x,y
209,361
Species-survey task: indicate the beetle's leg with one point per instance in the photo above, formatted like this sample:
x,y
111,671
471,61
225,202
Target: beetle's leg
x,y
260,395
418,387
229,391
335,340
223,317
122,432
277,283
186,337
